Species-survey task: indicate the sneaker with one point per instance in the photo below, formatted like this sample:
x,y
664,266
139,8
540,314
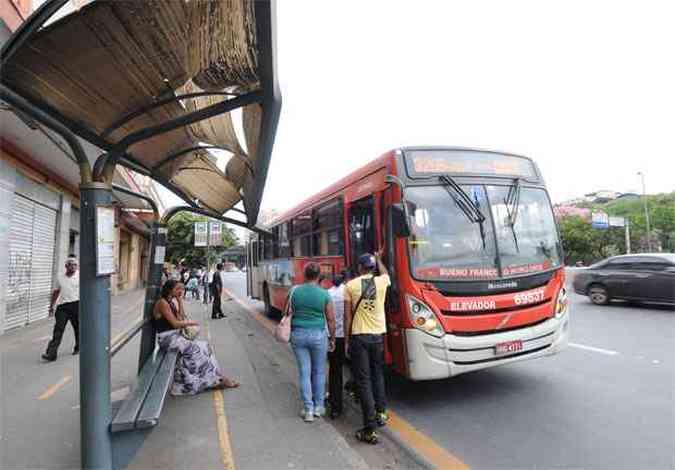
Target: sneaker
x,y
319,412
382,418
367,435
76,351
307,415
48,358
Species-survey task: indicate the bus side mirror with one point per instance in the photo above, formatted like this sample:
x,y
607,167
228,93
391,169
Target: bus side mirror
x,y
399,222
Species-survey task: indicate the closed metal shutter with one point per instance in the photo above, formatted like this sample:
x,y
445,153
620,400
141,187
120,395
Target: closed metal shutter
x,y
20,248
31,260
44,234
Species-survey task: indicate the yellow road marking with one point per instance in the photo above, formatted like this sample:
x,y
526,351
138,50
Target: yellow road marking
x,y
226,455
420,442
223,432
55,388
423,444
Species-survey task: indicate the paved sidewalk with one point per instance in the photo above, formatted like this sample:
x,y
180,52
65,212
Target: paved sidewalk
x,y
256,426
39,402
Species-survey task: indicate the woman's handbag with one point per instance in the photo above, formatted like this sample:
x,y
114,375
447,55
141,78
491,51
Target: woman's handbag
x,y
282,332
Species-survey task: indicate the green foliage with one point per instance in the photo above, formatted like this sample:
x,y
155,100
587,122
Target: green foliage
x,y
181,241
584,243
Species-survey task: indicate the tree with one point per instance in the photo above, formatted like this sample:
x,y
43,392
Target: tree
x,y
181,241
584,243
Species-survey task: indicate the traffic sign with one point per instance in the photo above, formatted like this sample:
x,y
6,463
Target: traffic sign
x,y
600,220
617,222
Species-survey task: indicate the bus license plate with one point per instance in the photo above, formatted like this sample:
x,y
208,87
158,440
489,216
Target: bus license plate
x,y
509,347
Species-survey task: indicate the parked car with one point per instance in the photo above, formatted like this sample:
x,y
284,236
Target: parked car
x,y
643,277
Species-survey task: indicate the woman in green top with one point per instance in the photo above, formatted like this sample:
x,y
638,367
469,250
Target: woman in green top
x,y
312,309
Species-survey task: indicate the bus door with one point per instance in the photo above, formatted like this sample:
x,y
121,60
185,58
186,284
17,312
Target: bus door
x,y
395,349
361,227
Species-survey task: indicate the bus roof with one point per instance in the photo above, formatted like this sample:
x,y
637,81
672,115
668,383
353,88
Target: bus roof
x,y
386,159
336,188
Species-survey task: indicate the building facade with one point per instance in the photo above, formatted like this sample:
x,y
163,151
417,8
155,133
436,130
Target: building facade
x,y
40,210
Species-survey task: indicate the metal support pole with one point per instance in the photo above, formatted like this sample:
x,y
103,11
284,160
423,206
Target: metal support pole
x,y
157,246
627,236
95,412
644,201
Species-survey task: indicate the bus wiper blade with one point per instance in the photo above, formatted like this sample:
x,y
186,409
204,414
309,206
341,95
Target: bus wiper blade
x,y
512,201
463,200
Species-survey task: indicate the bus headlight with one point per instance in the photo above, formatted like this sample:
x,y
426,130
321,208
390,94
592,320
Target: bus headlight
x,y
561,303
423,318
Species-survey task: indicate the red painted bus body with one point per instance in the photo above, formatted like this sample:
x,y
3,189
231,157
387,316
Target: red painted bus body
x,y
475,284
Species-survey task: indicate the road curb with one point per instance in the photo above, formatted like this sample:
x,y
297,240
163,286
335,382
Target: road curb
x,y
413,454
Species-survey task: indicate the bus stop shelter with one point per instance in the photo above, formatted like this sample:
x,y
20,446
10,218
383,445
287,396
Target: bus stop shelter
x,y
155,86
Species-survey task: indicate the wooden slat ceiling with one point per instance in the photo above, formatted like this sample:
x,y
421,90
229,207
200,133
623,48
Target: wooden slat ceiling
x,y
111,58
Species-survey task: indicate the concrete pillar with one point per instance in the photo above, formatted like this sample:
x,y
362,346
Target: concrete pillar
x,y
7,185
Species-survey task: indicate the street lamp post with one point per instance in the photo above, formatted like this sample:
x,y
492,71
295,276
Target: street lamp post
x,y
644,201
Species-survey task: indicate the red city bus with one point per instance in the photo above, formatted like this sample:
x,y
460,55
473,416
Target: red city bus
x,y
471,245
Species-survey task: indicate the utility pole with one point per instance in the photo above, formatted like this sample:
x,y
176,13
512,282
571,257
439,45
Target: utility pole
x,y
627,236
644,201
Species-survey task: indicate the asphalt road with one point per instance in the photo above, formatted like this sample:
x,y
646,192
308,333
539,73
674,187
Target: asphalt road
x,y
605,402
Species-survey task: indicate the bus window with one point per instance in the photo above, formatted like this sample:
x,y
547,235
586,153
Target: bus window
x,y
302,235
328,230
269,246
284,242
254,253
361,229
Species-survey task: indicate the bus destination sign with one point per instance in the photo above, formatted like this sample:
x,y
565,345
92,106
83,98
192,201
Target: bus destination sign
x,y
424,162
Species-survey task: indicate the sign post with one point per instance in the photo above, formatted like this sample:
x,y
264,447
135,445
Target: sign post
x,y
621,222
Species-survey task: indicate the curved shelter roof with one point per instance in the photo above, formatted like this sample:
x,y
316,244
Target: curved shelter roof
x,y
154,84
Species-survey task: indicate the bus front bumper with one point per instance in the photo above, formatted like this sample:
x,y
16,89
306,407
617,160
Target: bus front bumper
x,y
437,358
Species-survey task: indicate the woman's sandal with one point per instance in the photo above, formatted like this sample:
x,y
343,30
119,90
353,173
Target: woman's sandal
x,y
224,385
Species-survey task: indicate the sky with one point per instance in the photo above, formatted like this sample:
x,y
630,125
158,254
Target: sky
x,y
587,89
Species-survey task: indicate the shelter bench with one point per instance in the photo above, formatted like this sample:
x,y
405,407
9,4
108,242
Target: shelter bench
x,y
144,404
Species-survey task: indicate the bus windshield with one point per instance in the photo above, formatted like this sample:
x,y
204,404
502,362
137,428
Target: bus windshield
x,y
446,245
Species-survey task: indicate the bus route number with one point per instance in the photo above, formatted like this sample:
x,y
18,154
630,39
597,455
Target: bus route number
x,y
530,297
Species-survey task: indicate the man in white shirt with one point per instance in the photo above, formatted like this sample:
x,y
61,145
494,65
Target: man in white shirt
x,y
67,298
207,279
336,358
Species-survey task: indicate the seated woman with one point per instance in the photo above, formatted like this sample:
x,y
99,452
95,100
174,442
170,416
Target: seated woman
x,y
197,368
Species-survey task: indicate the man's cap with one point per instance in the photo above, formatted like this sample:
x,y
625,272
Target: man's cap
x,y
367,261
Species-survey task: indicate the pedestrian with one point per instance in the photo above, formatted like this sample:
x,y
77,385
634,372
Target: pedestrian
x,y
336,358
206,282
66,297
217,290
193,287
312,311
365,326
166,275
